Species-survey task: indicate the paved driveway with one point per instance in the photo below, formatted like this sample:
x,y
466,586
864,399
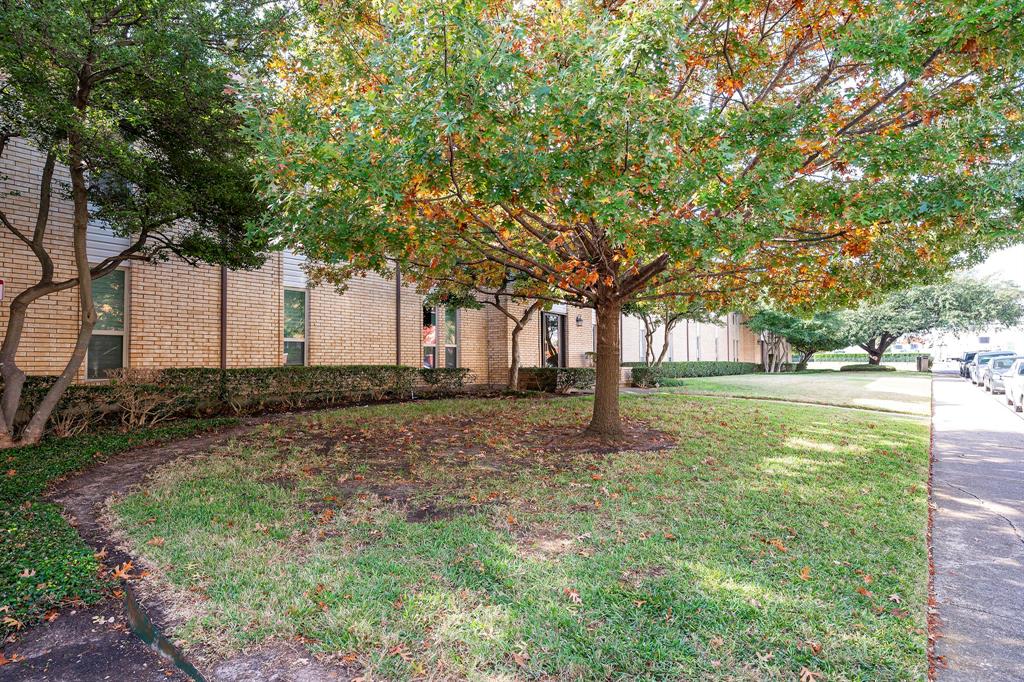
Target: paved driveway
x,y
978,533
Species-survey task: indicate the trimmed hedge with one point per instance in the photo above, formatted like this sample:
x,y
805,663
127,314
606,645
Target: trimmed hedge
x,y
866,368
651,376
556,379
144,397
863,357
644,376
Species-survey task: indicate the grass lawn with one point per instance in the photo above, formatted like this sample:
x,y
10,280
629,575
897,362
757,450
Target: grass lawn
x,y
469,539
43,561
908,392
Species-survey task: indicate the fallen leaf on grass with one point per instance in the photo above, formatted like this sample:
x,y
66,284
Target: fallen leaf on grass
x,y
520,658
573,596
122,572
805,573
50,616
400,651
810,645
810,675
864,592
326,516
12,622
895,598
156,541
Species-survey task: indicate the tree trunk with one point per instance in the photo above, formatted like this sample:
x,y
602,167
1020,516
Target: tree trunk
x,y
36,427
13,376
669,326
520,324
804,359
605,419
875,348
513,367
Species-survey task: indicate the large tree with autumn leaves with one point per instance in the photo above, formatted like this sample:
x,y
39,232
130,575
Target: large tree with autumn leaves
x,y
813,151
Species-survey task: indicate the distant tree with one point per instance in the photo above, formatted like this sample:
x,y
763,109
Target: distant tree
x,y
959,306
817,149
665,314
806,335
136,100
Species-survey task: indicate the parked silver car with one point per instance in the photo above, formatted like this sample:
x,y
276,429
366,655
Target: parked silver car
x,y
992,374
981,360
1013,383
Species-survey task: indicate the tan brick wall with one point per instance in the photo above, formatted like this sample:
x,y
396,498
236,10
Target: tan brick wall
x,y
255,316
52,323
579,339
174,315
356,327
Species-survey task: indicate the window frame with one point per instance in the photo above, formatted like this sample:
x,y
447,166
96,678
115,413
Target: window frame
x,y
433,346
444,328
305,329
562,341
123,332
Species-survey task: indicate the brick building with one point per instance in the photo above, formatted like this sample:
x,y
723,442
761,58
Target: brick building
x,y
175,315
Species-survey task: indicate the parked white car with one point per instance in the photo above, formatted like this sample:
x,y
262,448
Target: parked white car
x,y
1013,384
992,375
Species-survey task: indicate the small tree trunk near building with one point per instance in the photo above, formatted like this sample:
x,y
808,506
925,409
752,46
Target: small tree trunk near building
x,y
605,420
36,426
517,328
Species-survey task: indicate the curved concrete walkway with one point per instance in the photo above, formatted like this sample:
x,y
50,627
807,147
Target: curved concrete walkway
x,y
977,534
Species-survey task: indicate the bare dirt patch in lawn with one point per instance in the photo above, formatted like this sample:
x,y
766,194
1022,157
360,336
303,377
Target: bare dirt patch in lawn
x,y
416,464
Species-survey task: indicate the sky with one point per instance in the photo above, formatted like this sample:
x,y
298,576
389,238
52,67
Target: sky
x,y
1007,264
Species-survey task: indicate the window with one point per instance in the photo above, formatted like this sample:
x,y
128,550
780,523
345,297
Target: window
x,y
552,339
429,338
983,339
294,326
451,337
107,347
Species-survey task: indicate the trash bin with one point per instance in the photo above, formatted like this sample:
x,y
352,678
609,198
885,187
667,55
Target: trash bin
x,y
924,363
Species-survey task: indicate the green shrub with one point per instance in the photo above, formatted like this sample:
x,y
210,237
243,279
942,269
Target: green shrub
x,y
646,377
556,379
863,357
141,398
445,380
866,368
700,368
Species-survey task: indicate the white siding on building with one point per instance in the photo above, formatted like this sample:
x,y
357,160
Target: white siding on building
x,y
294,275
102,243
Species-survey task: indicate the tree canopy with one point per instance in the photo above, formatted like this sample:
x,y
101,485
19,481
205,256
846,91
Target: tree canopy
x,y
811,150
806,335
137,100
959,306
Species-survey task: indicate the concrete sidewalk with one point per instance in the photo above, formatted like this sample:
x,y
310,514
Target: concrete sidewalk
x,y
978,534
